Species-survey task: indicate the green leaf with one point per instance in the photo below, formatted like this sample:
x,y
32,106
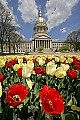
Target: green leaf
x,y
70,102
70,116
74,107
47,116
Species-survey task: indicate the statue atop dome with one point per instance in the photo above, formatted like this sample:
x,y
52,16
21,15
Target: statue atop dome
x,y
40,13
40,19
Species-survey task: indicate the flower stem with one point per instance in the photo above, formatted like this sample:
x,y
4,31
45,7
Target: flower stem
x,y
51,117
14,114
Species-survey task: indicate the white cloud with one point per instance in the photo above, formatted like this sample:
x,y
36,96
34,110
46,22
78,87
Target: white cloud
x,y
57,39
58,11
64,30
20,34
5,3
28,9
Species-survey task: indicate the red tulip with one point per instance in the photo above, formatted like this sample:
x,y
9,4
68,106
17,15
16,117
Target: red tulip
x,y
48,60
16,94
75,61
77,67
11,62
1,77
19,72
34,60
72,73
52,102
43,72
39,70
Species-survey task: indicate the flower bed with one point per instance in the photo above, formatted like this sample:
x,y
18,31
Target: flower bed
x,y
43,87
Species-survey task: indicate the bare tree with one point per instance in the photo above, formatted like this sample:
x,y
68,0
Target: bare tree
x,y
74,39
6,25
15,38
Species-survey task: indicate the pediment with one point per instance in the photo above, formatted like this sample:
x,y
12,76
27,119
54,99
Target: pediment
x,y
42,37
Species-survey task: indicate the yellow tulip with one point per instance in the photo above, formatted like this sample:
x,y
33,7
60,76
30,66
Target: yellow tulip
x,y
2,63
51,68
29,83
57,59
44,57
78,57
20,61
60,73
16,67
0,89
33,72
30,64
69,60
65,66
26,72
62,58
41,62
49,57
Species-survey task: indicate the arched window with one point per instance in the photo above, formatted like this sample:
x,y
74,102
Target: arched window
x,y
37,29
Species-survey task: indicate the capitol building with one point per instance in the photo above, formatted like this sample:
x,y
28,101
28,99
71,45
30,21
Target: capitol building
x,y
40,37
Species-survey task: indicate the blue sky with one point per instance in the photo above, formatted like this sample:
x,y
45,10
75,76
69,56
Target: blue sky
x,y
62,16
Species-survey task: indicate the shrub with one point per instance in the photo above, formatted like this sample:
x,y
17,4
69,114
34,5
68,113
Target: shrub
x,y
64,48
26,53
40,48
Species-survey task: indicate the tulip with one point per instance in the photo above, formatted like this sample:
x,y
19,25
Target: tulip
x,y
60,72
16,67
29,83
0,89
26,71
51,68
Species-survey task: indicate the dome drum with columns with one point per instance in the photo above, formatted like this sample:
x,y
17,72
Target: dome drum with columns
x,y
40,37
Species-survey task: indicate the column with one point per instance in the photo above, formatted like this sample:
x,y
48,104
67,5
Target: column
x,y
50,43
39,42
47,44
44,43
35,44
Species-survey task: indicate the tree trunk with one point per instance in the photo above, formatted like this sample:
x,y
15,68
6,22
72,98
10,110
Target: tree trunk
x,y
14,47
17,47
1,46
9,45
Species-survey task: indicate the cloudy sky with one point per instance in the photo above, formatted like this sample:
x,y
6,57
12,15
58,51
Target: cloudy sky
x,y
62,16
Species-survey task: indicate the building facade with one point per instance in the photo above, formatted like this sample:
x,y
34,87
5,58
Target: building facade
x,y
40,37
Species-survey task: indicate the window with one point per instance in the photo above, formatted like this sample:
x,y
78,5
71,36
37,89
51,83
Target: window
x,y
37,29
40,29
